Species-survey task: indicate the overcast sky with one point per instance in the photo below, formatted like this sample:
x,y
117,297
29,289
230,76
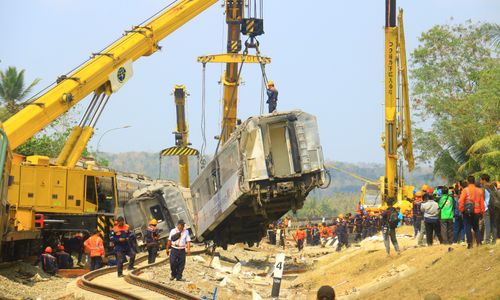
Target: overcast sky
x,y
327,60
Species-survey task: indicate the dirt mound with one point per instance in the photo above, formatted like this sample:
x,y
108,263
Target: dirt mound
x,y
365,271
25,281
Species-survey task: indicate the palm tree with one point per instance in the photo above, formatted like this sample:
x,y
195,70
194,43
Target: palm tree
x,y
13,90
492,32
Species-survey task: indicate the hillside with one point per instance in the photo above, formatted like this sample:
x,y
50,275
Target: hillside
x,y
147,163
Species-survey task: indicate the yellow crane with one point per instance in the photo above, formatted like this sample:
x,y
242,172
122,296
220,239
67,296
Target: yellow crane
x,y
238,23
182,144
42,195
397,108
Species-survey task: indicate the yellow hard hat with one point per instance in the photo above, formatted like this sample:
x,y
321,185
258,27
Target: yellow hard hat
x,y
153,222
270,82
341,216
418,194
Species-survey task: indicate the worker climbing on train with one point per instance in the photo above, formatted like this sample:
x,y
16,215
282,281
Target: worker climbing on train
x,y
151,240
122,236
272,96
300,235
48,262
178,242
94,247
64,260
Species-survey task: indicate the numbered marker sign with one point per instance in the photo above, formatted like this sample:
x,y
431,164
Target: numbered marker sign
x,y
278,272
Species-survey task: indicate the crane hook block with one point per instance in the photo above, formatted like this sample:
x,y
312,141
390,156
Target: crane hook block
x,y
252,27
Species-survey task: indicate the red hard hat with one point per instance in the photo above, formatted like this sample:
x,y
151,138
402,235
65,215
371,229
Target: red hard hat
x,y
48,249
60,247
430,190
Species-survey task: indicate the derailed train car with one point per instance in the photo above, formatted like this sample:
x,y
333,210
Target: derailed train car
x,y
163,200
266,168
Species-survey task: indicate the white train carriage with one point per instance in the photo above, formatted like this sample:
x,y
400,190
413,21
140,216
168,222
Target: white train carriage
x,y
266,168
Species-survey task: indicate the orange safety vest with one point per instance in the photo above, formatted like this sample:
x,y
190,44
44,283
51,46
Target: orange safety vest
x,y
94,246
300,235
475,195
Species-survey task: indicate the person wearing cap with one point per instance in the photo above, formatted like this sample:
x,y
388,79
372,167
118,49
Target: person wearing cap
x,y
325,292
48,262
121,239
151,240
272,96
178,242
94,247
64,260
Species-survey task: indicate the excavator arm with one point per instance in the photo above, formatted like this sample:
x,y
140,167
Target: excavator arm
x,y
103,74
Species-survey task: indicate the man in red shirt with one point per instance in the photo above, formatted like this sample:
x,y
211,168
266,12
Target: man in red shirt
x,y
471,205
300,235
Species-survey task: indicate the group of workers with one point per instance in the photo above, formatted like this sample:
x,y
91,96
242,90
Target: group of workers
x,y
451,214
362,225
123,242
445,213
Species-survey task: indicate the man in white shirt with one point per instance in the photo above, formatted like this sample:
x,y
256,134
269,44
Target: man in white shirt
x,y
178,242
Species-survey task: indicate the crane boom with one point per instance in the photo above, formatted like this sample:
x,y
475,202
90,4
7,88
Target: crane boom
x,y
94,76
407,141
397,107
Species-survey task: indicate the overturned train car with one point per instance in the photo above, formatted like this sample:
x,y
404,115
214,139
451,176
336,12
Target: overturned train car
x,y
266,168
162,200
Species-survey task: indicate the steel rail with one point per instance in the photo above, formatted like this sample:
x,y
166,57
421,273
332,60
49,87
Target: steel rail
x,y
86,282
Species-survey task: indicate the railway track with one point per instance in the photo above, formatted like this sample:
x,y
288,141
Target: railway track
x,y
146,289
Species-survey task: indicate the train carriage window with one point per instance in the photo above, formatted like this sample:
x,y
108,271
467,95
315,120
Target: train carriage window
x,y
91,192
156,213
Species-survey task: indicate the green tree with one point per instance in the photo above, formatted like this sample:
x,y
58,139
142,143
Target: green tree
x,y
13,90
455,96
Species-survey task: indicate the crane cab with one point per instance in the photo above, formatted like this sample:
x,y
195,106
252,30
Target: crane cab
x,y
56,200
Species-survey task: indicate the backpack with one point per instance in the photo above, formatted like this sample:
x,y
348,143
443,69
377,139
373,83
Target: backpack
x,y
393,219
469,205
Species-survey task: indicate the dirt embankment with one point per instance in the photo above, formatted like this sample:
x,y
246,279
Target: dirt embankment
x,y
366,272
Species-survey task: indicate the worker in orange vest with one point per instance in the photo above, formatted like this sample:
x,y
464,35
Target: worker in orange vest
x,y
300,235
95,248
471,205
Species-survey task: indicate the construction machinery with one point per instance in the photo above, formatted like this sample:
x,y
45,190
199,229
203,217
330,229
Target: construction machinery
x,y
397,133
391,188
46,197
181,133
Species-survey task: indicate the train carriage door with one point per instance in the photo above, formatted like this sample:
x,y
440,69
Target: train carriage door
x,y
90,194
255,161
280,148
